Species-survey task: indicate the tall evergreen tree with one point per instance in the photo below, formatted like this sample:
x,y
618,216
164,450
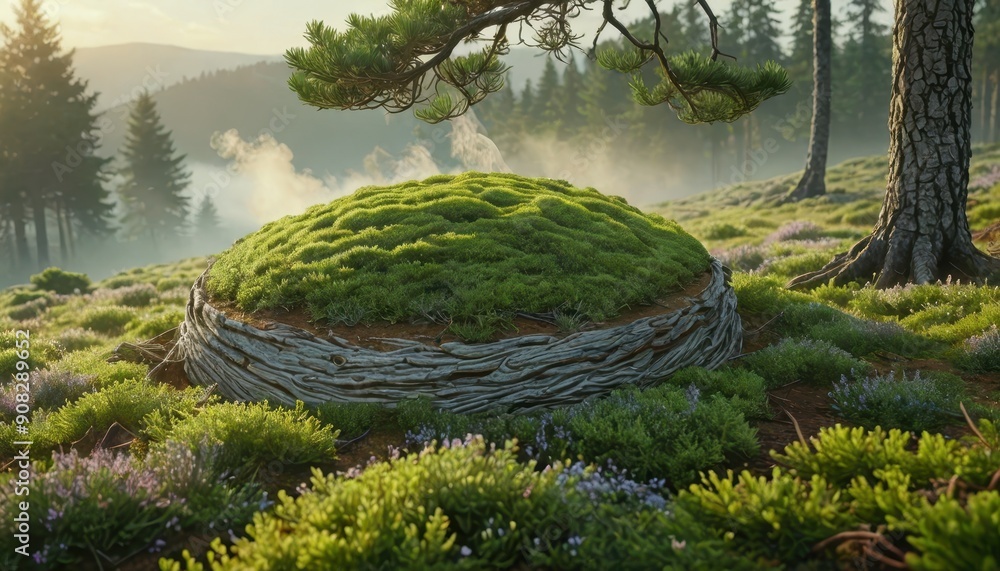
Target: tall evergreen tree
x,y
206,218
813,181
986,70
49,134
569,120
922,233
547,97
154,177
866,73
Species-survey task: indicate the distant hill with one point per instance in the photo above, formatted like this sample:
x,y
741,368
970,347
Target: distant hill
x,y
117,71
256,98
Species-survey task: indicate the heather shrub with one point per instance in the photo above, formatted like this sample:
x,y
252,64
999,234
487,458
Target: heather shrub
x,y
857,336
745,390
109,500
743,258
93,363
797,230
666,432
807,360
77,339
138,295
917,403
49,390
981,353
60,281
29,309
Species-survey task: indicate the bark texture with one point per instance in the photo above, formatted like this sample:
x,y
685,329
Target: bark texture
x,y
813,182
922,234
285,363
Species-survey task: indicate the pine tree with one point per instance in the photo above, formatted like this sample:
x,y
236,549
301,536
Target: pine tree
x,y
569,119
547,104
407,60
866,69
986,71
50,133
922,233
813,181
206,218
154,177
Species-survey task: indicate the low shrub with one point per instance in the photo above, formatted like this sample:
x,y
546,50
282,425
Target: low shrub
x,y
250,436
351,419
764,296
127,403
806,360
745,390
724,231
915,404
29,309
981,353
77,339
60,281
107,499
745,258
93,363
463,507
797,230
850,478
109,320
158,321
664,432
859,337
49,390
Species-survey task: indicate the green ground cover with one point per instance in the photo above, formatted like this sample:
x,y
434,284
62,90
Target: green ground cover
x,y
638,480
470,250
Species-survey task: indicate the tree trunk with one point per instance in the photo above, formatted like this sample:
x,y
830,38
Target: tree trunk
x,y
41,234
69,233
984,96
922,234
813,181
21,241
63,248
994,123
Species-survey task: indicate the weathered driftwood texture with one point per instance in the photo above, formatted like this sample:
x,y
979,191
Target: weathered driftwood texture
x,y
285,363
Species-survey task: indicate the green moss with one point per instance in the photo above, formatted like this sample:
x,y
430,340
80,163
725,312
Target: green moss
x,y
473,248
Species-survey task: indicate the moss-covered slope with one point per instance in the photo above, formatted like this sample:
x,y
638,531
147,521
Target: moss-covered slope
x,y
472,248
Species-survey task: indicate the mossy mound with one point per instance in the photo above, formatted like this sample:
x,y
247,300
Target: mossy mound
x,y
472,249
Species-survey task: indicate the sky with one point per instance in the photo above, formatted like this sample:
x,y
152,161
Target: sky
x,y
246,26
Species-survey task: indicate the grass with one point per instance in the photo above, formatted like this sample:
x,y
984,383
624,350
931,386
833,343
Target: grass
x,y
616,491
470,250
